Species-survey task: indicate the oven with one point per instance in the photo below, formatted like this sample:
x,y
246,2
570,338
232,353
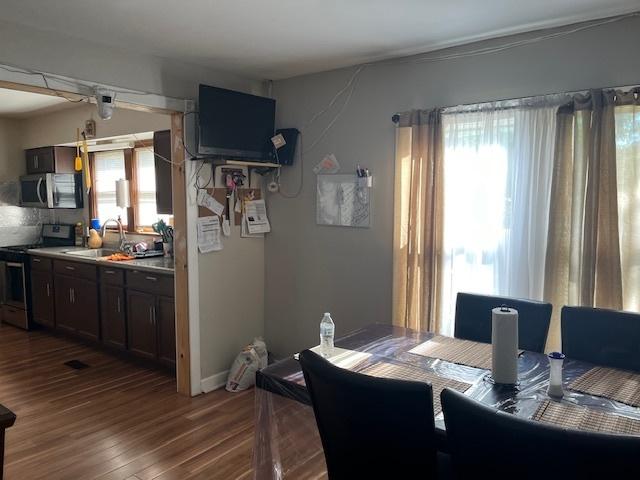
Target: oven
x,y
51,190
13,294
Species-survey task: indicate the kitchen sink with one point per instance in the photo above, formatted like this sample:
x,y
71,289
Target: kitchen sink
x,y
92,253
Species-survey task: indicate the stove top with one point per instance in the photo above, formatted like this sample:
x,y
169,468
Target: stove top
x,y
22,248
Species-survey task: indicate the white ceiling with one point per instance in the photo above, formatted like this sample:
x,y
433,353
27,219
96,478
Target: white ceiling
x,y
18,104
278,39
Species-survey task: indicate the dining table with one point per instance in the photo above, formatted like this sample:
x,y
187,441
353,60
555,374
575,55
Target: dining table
x,y
287,443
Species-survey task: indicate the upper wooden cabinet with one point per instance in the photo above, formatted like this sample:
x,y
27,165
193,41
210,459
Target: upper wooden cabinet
x,y
162,146
50,160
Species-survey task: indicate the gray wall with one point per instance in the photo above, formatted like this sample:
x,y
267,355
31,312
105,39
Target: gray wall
x,y
311,269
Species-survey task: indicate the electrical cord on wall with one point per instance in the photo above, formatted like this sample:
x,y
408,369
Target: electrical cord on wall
x,y
301,162
430,57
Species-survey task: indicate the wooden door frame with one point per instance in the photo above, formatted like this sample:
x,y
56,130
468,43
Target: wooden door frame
x,y
187,380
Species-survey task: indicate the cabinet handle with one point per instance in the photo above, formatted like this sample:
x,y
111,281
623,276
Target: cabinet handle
x,y
151,279
154,314
35,161
48,290
109,272
36,260
151,315
118,303
69,267
70,295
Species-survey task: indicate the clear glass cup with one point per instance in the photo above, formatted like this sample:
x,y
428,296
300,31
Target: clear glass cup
x,y
556,360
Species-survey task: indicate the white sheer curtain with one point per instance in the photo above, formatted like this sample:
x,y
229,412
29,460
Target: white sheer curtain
x,y
497,181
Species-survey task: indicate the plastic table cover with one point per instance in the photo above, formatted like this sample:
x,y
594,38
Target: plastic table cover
x,y
287,443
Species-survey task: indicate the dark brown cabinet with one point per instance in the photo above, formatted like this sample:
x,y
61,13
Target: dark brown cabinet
x,y
76,296
151,316
166,324
50,160
42,298
162,146
142,328
113,317
128,310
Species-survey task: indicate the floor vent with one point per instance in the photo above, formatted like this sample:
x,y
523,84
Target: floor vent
x,y
76,364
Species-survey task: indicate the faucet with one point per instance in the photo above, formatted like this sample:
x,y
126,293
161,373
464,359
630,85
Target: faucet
x,y
123,238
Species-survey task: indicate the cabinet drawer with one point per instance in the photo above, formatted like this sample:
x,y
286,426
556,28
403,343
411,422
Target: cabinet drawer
x,y
75,269
150,282
42,264
112,276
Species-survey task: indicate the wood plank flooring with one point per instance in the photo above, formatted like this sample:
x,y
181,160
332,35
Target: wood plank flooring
x,y
114,420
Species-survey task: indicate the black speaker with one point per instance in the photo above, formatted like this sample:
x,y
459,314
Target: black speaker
x,y
287,153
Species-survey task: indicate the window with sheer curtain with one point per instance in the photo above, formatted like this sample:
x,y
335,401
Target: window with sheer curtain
x,y
497,167
110,166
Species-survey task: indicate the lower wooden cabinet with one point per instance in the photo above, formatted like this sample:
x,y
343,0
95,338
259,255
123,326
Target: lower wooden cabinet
x,y
141,322
151,326
166,325
113,316
42,298
129,310
77,306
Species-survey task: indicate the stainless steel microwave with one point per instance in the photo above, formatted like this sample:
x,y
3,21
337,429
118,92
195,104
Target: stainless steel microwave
x,y
51,190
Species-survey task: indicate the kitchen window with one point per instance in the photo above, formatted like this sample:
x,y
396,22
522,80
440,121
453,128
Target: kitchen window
x,y
136,165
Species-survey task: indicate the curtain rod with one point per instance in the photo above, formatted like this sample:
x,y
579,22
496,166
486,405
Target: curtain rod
x,y
395,118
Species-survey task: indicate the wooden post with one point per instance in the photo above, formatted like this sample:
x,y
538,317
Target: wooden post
x,y
178,188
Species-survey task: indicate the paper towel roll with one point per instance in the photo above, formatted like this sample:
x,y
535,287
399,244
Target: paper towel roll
x,y
122,193
504,339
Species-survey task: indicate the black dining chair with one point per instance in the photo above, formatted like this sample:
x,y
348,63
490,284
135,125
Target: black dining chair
x,y
371,427
493,444
473,319
605,337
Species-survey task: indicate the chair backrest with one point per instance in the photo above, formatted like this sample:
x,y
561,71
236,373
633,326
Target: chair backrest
x,y
473,319
501,445
371,427
605,337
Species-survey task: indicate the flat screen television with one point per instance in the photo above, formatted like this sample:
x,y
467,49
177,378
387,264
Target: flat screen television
x,y
235,125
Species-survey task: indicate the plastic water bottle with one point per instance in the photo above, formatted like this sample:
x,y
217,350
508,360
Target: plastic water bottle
x,y
327,329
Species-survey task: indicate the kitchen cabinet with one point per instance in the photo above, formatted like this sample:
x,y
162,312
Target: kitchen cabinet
x,y
113,316
76,298
42,298
142,328
113,312
50,160
166,324
151,316
162,146
125,309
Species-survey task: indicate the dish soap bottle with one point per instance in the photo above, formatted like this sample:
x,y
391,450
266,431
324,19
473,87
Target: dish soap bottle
x,y
327,329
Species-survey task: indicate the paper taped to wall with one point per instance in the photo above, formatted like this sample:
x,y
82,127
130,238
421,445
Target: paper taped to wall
x,y
256,217
206,200
209,239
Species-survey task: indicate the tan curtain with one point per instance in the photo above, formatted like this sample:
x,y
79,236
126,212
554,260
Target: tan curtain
x,y
418,214
583,253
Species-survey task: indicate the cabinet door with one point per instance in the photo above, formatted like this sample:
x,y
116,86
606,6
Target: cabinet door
x,y
162,146
113,318
85,308
166,322
40,160
42,298
141,323
65,314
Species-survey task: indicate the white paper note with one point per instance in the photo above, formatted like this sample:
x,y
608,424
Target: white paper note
x,y
209,239
206,200
256,215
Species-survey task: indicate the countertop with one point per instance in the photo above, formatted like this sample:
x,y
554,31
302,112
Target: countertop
x,y
152,264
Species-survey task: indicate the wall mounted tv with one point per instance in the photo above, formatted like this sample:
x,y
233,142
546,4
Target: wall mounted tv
x,y
235,125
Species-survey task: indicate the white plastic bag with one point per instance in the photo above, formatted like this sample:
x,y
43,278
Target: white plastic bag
x,y
243,371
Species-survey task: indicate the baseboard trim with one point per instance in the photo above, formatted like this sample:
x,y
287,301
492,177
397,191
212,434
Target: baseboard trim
x,y
214,382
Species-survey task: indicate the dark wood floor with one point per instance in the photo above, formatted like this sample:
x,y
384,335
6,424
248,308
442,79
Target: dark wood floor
x,y
113,420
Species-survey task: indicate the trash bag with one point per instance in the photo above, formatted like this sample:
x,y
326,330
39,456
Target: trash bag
x,y
242,374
